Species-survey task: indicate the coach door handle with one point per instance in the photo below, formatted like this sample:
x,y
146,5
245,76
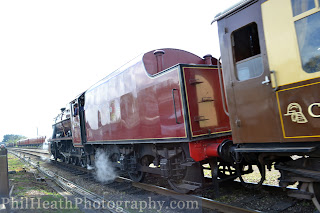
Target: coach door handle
x,y
266,80
275,80
174,106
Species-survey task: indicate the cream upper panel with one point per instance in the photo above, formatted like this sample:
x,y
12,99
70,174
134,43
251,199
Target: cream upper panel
x,y
281,42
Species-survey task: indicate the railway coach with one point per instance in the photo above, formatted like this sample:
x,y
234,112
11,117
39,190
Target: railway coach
x,y
35,142
23,142
11,144
38,141
271,69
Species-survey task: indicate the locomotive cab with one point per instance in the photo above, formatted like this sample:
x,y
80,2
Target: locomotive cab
x,y
61,127
77,121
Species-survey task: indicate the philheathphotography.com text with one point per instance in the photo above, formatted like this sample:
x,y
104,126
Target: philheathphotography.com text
x,y
119,205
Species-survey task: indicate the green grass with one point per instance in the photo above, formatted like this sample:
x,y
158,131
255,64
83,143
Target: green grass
x,y
26,186
15,164
58,204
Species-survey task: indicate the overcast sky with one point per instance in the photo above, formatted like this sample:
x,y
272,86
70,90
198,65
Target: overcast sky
x,y
51,51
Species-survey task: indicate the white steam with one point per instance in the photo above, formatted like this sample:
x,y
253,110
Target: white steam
x,y
90,167
45,159
45,145
104,169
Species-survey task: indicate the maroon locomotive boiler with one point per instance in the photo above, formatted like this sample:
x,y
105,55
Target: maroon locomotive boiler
x,y
162,108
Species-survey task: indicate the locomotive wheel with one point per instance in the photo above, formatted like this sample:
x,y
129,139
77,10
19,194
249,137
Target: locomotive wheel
x,y
75,161
115,159
315,189
226,171
180,173
83,162
54,153
138,176
241,171
68,160
175,186
55,157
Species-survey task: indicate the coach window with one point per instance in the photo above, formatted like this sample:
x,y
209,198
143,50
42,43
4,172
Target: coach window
x,y
307,27
301,6
246,52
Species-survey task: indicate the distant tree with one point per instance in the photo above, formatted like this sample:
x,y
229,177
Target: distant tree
x,y
12,138
313,65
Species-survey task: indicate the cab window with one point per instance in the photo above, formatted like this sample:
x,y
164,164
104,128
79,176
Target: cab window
x,y
75,111
246,52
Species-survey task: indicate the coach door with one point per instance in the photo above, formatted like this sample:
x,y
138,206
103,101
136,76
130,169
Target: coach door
x,y
251,98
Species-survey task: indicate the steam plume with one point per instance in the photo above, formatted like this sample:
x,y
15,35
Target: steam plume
x,y
104,170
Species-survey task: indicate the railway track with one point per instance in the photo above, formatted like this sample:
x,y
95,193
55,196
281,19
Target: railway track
x,y
64,183
122,184
267,199
29,151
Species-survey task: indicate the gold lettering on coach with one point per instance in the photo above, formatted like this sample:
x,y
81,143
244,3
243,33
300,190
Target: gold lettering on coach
x,y
310,110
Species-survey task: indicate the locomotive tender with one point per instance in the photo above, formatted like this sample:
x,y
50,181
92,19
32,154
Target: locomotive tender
x,y
163,108
168,112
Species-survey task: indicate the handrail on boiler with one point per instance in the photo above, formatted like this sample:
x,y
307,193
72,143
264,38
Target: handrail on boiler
x,y
174,106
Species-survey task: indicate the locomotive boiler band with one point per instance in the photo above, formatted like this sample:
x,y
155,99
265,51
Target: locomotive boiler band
x,y
168,112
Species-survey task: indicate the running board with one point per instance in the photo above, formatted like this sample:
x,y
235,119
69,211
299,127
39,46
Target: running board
x,y
301,194
278,149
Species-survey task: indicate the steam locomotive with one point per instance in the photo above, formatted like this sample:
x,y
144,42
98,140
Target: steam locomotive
x,y
169,112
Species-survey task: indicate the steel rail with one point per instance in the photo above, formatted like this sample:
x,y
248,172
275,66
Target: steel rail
x,y
42,151
205,202
69,185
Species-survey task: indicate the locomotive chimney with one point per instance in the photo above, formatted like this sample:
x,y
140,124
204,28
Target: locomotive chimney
x,y
159,58
208,59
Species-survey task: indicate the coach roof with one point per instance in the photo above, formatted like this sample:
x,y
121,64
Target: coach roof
x,y
230,10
